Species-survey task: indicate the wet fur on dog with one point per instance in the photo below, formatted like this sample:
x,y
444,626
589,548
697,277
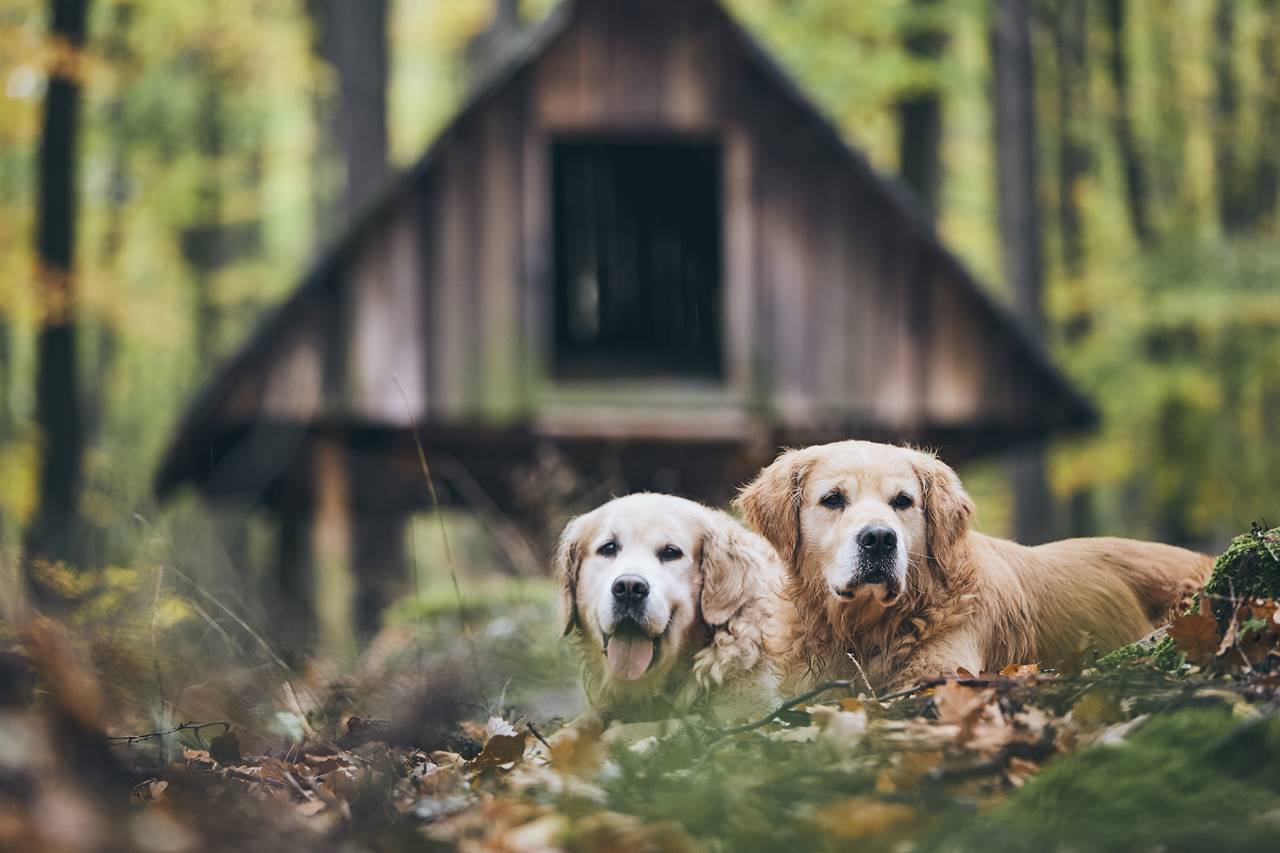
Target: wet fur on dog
x,y
669,602
885,577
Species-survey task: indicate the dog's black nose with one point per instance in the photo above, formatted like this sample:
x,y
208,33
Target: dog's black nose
x,y
630,589
876,540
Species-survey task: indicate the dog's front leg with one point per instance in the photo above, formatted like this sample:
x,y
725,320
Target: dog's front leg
x,y
588,724
945,655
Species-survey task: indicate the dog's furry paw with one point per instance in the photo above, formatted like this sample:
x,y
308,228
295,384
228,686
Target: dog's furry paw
x,y
725,657
708,671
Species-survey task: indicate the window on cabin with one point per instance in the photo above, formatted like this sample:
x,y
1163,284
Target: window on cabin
x,y
637,258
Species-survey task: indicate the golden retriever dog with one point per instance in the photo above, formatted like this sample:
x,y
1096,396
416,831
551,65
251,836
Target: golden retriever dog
x,y
669,602
886,580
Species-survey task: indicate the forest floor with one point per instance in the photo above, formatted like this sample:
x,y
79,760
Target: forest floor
x,y
440,736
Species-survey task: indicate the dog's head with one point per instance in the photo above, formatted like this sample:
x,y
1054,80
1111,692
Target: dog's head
x,y
858,521
644,576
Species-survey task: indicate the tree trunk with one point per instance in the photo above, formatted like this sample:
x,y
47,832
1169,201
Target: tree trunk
x,y
1020,227
1073,152
1232,213
207,253
54,532
1266,184
1069,32
352,38
1135,183
116,50
920,111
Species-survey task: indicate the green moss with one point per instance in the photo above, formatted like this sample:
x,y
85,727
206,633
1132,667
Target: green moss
x,y
1157,650
1139,651
1195,779
1166,656
1250,567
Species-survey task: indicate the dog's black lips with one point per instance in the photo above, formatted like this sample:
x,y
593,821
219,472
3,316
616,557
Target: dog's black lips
x,y
873,576
876,575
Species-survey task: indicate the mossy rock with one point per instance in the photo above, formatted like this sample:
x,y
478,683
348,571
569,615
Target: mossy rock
x,y
1249,568
1195,779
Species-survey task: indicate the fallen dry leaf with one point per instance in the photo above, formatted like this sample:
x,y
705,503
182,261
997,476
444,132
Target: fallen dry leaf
x,y
152,791
1020,670
1196,636
967,707
503,744
198,758
957,704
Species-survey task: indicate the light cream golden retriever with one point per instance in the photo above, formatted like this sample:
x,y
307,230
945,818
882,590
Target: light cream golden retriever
x,y
669,602
885,575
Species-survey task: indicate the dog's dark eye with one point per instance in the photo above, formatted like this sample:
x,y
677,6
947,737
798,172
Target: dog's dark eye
x,y
608,549
902,501
832,500
669,553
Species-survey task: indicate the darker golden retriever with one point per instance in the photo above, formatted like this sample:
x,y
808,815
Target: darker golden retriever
x,y
885,577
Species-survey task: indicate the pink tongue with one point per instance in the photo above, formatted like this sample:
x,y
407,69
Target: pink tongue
x,y
630,653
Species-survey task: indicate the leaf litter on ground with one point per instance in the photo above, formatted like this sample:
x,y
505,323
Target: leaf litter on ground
x,y
969,761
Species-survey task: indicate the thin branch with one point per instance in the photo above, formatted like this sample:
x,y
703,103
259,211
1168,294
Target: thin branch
x,y
787,706
534,731
848,685
181,727
863,673
444,533
930,683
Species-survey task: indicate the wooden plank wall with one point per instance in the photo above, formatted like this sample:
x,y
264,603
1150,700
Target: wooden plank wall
x,y
833,309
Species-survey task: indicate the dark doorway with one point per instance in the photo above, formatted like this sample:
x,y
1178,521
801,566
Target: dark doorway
x,y
637,258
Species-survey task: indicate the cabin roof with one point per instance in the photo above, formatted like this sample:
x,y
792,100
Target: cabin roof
x,y
522,51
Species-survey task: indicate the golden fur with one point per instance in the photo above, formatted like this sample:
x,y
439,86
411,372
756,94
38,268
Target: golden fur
x,y
710,608
953,598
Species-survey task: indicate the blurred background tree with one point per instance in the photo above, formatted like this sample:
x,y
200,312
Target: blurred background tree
x,y
208,175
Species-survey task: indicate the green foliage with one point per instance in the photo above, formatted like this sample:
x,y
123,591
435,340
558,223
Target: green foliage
x,y
1192,780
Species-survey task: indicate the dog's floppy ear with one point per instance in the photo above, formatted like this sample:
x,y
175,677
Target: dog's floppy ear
x,y
734,562
948,510
568,563
771,502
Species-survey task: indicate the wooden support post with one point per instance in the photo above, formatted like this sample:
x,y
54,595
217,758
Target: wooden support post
x,y
382,565
333,582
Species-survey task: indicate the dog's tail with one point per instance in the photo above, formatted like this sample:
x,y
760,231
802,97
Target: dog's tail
x,y
1162,576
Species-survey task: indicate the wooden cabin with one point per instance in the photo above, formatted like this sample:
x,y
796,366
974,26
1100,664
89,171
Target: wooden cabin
x,y
637,243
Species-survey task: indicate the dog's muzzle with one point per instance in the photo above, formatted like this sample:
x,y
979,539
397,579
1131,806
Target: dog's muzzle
x,y
877,553
629,647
